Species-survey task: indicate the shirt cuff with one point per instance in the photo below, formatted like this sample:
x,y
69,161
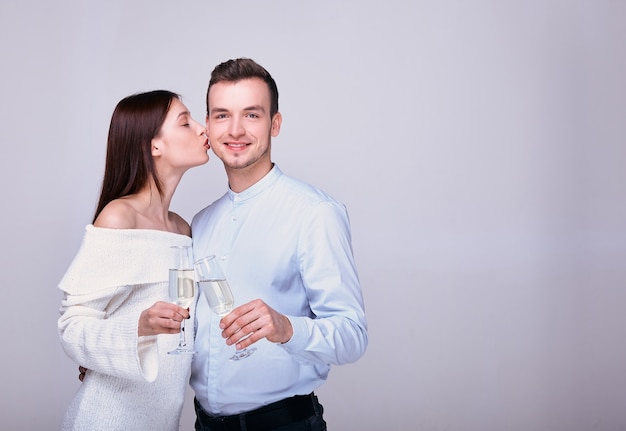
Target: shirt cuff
x,y
300,337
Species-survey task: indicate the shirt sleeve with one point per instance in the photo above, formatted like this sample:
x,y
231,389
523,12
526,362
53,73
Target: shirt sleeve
x,y
337,332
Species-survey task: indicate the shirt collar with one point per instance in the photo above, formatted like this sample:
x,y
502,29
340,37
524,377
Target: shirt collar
x,y
259,187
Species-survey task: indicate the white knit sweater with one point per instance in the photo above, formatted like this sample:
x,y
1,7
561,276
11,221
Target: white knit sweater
x,y
132,383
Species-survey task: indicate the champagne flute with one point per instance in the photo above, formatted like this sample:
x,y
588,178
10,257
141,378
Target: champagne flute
x,y
214,285
182,290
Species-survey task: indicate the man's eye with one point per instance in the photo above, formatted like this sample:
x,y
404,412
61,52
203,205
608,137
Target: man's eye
x,y
252,115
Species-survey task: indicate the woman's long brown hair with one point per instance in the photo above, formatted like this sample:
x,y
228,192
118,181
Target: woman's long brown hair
x,y
136,120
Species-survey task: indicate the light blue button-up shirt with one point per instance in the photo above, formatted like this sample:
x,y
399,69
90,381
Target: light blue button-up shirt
x,y
289,244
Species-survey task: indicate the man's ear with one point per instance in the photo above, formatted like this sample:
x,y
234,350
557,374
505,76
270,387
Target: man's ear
x,y
276,122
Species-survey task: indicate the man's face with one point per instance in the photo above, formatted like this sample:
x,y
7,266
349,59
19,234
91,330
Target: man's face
x,y
239,124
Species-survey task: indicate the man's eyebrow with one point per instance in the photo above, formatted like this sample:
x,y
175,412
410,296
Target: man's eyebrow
x,y
255,108
247,108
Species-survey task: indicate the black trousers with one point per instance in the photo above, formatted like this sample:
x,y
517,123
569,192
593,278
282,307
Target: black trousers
x,y
299,413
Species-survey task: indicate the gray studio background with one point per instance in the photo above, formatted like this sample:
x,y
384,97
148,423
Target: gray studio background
x,y
478,145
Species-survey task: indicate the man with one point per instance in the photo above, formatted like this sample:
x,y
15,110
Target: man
x,y
285,247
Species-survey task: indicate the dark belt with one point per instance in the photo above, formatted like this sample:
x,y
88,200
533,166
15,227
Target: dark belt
x,y
280,413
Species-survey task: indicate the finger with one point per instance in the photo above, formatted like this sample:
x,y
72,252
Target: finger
x,y
239,312
248,334
164,309
243,343
183,313
81,372
177,314
249,316
241,323
171,326
236,337
165,325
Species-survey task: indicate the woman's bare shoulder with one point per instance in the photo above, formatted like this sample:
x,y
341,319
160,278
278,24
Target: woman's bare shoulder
x,y
117,214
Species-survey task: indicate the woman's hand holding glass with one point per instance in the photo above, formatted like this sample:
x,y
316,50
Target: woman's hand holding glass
x,y
161,318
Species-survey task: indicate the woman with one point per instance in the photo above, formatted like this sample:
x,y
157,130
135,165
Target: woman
x,y
117,320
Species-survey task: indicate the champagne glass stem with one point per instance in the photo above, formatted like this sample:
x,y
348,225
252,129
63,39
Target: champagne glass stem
x,y
182,343
181,287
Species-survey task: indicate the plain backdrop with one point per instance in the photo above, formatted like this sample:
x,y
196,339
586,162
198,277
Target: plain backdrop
x,y
478,145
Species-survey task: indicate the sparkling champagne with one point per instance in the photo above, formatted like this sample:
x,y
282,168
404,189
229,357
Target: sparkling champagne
x,y
218,295
182,286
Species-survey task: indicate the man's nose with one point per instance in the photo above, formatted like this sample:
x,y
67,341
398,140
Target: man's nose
x,y
236,128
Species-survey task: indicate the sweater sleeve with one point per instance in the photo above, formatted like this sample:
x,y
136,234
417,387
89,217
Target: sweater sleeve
x,y
96,337
110,282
